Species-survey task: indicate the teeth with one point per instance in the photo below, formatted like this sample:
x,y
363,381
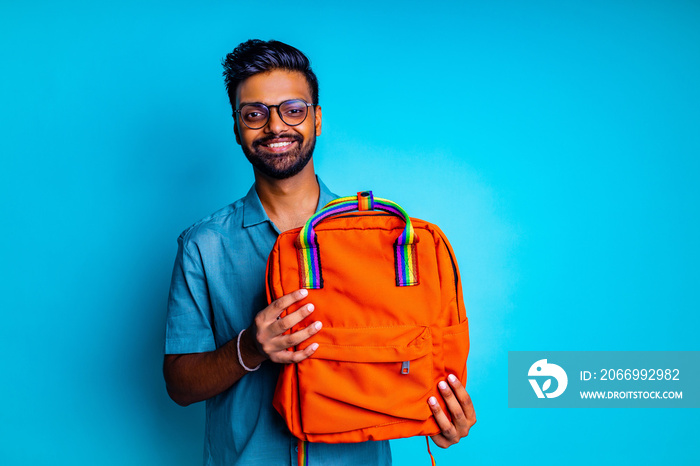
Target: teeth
x,y
279,144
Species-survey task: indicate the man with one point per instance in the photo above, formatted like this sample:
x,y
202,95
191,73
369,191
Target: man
x,y
220,331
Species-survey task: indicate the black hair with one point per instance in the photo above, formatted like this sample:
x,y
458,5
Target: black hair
x,y
256,56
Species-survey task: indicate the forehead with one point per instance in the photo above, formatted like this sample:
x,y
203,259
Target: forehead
x,y
274,87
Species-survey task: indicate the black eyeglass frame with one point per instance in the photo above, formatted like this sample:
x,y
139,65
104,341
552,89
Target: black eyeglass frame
x,y
279,113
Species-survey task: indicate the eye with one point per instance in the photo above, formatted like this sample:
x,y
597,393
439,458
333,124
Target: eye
x,y
295,109
253,113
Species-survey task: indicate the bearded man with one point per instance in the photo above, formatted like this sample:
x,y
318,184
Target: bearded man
x,y
224,344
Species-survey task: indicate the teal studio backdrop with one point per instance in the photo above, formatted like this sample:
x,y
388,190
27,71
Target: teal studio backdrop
x,y
556,143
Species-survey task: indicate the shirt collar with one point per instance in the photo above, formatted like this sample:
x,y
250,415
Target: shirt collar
x,y
254,212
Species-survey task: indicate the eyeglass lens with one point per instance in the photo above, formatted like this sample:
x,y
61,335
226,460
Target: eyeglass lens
x,y
292,112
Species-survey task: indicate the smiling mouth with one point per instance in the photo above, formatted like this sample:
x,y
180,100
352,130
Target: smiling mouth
x,y
281,147
276,145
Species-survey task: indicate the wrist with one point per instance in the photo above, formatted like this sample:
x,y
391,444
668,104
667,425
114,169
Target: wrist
x,y
248,351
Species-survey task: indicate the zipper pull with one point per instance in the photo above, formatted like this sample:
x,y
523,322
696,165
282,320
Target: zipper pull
x,y
405,367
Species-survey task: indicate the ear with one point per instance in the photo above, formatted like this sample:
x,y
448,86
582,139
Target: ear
x,y
235,130
317,117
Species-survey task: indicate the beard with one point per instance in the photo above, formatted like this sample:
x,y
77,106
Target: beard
x,y
284,165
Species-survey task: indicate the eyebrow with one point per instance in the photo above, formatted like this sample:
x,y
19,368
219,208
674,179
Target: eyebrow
x,y
241,104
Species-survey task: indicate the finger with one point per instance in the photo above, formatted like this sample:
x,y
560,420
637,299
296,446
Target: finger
x,y
302,335
463,397
448,431
441,441
453,406
287,322
279,305
288,357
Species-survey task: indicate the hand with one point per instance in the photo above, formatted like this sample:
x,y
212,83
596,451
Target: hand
x,y
461,411
268,329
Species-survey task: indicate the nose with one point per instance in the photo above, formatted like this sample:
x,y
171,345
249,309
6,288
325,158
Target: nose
x,y
275,125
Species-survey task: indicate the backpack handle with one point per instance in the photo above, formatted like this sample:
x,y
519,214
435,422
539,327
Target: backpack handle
x,y
405,256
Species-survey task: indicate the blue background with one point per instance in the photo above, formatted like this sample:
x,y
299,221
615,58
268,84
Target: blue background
x,y
556,143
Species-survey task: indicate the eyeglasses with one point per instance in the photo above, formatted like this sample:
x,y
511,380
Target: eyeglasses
x,y
292,112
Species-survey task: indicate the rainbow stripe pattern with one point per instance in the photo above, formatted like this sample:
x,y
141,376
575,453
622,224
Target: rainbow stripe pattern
x,y
365,200
303,453
432,458
308,255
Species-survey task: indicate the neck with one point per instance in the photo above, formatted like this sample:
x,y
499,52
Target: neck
x,y
289,202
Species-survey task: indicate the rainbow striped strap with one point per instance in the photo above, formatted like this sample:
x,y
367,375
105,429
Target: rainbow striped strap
x,y
308,254
365,200
303,453
432,458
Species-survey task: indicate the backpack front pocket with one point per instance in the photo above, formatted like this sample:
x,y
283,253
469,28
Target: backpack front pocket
x,y
365,377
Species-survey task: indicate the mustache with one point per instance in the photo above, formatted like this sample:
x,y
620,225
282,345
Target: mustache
x,y
272,137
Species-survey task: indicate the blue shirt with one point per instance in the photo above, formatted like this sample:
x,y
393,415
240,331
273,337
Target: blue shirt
x,y
217,288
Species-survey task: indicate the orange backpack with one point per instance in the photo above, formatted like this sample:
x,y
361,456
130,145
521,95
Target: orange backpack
x,y
386,288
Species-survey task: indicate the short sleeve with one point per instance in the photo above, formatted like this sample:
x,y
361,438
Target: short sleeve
x,y
188,325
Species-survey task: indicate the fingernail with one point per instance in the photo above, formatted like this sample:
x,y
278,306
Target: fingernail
x,y
432,401
314,346
452,378
442,385
310,307
303,292
318,325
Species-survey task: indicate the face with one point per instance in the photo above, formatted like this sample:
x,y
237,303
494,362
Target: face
x,y
277,150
